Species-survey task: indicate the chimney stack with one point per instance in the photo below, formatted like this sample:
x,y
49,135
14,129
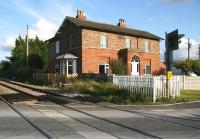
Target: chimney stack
x,y
81,15
121,23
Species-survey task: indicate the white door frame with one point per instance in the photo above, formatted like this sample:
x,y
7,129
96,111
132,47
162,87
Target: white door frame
x,y
135,70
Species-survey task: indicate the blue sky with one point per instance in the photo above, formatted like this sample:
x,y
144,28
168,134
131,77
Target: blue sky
x,y
45,16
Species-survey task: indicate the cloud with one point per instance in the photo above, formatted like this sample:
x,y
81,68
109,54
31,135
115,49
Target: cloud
x,y
44,29
182,52
177,1
8,44
46,23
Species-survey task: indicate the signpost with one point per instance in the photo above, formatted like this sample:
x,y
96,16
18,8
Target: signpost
x,y
172,41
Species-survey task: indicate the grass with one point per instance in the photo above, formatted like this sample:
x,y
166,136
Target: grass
x,y
190,95
186,96
41,83
105,91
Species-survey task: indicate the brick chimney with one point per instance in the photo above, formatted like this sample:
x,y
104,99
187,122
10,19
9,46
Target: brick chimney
x,y
121,23
81,15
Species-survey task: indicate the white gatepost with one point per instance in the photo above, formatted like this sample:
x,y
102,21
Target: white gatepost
x,y
154,89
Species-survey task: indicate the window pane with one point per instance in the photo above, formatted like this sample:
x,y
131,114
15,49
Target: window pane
x,y
57,47
107,69
103,41
101,69
127,43
70,40
70,69
147,69
147,46
70,62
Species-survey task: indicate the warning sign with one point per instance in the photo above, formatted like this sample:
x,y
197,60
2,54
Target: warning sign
x,y
169,75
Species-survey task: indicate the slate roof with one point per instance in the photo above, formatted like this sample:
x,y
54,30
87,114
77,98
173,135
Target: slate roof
x,y
86,24
113,29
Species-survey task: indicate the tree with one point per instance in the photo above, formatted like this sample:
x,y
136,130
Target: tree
x,y
118,67
186,66
16,64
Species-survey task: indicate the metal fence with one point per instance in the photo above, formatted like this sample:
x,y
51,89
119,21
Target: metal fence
x,y
150,86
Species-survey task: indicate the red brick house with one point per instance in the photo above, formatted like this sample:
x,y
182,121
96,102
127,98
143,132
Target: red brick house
x,y
82,46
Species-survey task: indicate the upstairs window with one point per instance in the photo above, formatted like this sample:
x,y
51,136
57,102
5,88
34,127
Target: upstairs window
x,y
57,47
70,40
147,46
127,43
104,41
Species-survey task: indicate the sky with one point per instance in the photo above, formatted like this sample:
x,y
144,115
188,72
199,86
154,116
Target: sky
x,y
156,16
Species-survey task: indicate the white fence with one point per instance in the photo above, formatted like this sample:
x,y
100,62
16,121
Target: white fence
x,y
189,82
150,86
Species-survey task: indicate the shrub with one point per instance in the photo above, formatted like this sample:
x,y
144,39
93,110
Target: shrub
x,y
107,92
118,67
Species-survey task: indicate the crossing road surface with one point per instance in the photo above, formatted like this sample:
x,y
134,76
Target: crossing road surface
x,y
99,121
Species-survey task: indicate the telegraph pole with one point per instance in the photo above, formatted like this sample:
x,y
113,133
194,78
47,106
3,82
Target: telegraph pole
x,y
199,52
189,46
27,46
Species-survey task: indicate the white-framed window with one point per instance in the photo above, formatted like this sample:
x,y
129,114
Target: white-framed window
x,y
104,69
70,40
62,67
147,69
127,42
68,66
104,41
147,46
57,47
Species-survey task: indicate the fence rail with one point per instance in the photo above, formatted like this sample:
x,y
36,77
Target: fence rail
x,y
54,78
150,86
189,82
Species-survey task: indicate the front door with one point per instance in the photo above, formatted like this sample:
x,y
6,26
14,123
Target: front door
x,y
135,67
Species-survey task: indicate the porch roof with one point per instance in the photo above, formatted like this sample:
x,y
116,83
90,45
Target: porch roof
x,y
66,56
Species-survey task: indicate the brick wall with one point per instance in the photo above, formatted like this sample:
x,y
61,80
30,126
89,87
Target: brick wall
x,y
86,46
68,29
93,55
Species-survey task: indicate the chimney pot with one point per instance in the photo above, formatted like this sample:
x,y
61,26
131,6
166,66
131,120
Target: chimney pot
x,y
121,23
81,15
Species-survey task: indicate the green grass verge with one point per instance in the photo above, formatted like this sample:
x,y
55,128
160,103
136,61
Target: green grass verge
x,y
190,95
186,96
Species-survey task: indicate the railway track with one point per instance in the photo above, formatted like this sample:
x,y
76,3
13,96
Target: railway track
x,y
7,98
150,115
164,118
49,97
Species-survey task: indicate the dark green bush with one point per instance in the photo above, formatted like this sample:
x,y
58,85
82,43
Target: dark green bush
x,y
118,67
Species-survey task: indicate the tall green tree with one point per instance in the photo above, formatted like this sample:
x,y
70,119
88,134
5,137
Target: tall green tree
x,y
16,66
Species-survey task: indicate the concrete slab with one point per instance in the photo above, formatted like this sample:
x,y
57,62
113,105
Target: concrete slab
x,y
13,126
55,128
81,128
152,125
